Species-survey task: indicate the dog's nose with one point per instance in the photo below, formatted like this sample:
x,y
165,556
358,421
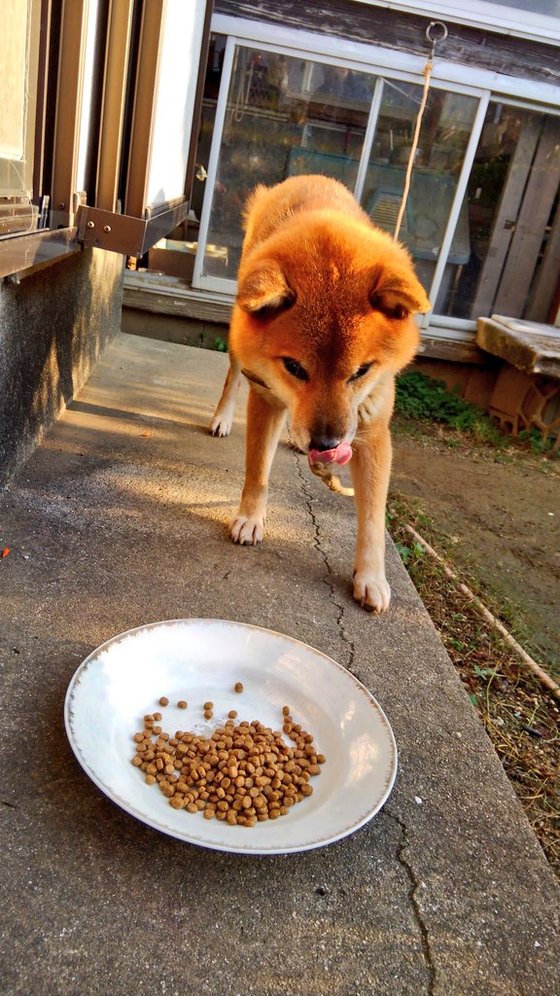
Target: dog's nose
x,y
321,443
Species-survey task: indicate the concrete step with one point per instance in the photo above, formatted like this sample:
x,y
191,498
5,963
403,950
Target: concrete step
x,y
119,519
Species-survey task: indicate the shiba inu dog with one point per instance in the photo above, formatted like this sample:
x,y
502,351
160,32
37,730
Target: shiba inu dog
x,y
322,322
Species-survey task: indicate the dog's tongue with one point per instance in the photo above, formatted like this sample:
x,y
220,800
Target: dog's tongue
x,y
340,454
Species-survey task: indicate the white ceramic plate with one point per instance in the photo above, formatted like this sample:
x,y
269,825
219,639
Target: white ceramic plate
x,y
200,660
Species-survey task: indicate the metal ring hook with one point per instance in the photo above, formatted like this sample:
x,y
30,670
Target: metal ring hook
x,y
439,36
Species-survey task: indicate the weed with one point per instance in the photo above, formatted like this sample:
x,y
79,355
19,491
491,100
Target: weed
x,y
521,720
220,344
407,550
483,672
535,440
422,398
404,551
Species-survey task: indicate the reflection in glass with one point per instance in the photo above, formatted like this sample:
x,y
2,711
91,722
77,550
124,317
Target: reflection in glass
x,y
444,135
285,116
512,208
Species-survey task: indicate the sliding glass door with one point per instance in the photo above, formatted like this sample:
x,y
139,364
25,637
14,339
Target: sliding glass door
x,y
446,129
481,220
281,115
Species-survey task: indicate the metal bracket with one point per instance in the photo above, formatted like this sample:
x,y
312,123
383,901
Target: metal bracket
x,y
125,234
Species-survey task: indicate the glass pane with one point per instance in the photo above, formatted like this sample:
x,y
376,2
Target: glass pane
x,y
285,116
214,69
18,57
444,135
512,208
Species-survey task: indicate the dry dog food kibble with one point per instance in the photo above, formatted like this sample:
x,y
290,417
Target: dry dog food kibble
x,y
243,774
182,704
164,701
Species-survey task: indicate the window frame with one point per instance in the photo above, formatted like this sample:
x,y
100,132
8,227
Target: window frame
x,y
227,287
125,70
406,67
483,14
389,60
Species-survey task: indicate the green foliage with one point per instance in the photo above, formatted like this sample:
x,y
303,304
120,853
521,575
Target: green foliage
x,y
404,552
535,440
419,396
407,551
220,344
422,397
484,672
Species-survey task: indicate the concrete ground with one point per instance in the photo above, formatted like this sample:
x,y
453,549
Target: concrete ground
x,y
119,519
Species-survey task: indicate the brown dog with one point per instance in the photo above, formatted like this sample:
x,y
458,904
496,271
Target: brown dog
x,y
321,325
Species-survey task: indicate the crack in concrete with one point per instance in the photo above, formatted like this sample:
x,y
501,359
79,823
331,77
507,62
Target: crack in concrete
x,y
328,577
414,886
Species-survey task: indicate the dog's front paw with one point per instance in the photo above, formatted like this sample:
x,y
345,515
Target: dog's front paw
x,y
247,530
372,591
221,425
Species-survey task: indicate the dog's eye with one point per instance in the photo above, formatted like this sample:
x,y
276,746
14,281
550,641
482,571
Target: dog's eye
x,y
294,368
360,372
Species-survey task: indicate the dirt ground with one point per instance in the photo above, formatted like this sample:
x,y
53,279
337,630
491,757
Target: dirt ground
x,y
499,514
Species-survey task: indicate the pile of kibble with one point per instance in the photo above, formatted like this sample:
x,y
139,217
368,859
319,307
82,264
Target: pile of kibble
x,y
244,773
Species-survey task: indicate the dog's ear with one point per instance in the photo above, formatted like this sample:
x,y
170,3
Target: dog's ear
x,y
264,290
398,296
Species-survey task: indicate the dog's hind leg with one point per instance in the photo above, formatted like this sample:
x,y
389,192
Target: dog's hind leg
x,y
223,416
265,420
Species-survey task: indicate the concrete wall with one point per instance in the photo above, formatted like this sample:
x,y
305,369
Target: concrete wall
x,y
54,326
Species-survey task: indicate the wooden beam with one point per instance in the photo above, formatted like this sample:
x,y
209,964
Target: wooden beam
x,y
542,187
494,51
506,217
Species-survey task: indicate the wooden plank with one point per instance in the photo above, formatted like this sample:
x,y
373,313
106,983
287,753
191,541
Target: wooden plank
x,y
497,52
508,210
174,299
529,346
456,350
543,305
535,211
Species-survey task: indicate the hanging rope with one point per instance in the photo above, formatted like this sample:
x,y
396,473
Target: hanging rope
x,y
435,32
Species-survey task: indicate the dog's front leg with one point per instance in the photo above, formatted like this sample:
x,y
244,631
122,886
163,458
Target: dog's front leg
x,y
265,419
371,467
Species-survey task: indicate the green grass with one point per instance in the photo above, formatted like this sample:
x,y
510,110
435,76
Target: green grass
x,y
422,398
